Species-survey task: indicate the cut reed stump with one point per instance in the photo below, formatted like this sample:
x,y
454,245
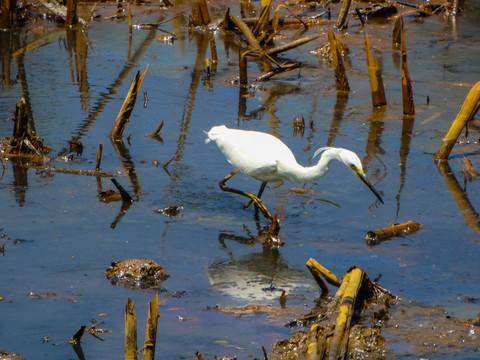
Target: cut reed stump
x,y
243,77
342,15
99,156
407,93
21,121
341,79
7,14
24,141
201,15
375,76
247,33
468,110
151,332
130,331
72,18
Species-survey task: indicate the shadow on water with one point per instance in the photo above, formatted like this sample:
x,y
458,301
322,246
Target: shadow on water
x,y
74,81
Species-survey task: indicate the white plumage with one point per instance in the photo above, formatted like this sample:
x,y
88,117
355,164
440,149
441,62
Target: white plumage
x,y
267,159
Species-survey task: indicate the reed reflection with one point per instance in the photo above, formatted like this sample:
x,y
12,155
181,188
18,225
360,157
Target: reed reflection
x,y
405,140
460,196
77,48
106,96
338,116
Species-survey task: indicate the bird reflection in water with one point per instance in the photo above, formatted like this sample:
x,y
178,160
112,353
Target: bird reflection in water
x,y
258,276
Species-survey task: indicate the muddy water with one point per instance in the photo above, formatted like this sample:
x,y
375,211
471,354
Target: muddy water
x,y
59,238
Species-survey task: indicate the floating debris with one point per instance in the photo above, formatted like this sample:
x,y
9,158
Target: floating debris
x,y
109,196
6,356
298,125
170,211
374,237
377,10
136,274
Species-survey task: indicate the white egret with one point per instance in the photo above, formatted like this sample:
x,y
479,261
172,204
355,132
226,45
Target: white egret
x,y
267,158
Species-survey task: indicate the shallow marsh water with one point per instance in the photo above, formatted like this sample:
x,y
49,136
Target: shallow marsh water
x,y
68,237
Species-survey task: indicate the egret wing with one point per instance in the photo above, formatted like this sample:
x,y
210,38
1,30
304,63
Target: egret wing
x,y
253,153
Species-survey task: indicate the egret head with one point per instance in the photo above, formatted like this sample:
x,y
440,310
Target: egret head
x,y
351,160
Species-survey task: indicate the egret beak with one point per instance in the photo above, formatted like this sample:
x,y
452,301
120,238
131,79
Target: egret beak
x,y
363,177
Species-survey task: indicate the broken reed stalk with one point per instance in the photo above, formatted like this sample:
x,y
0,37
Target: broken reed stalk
x,y
338,346
129,103
312,352
157,130
341,79
291,45
397,31
330,277
245,30
342,14
407,93
264,17
151,332
317,338
213,49
21,121
278,70
374,237
130,331
468,110
71,171
242,72
275,19
375,76
99,156
71,13
278,22
318,280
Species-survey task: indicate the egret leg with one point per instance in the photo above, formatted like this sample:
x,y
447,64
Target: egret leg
x,y
252,197
260,192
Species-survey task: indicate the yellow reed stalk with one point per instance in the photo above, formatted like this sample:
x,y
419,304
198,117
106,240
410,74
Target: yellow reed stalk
x,y
130,331
407,93
129,103
345,313
375,76
330,277
151,332
468,110
341,79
